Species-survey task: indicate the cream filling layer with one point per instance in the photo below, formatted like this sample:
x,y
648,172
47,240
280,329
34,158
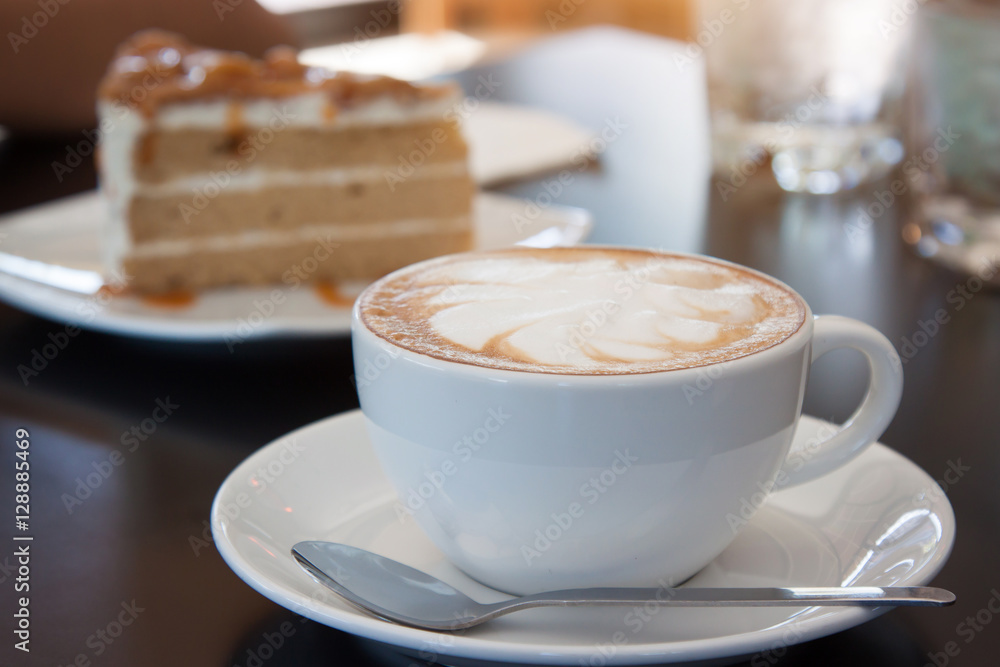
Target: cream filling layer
x,y
254,179
307,110
320,233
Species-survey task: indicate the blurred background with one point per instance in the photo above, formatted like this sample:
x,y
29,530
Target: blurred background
x,y
321,21
820,95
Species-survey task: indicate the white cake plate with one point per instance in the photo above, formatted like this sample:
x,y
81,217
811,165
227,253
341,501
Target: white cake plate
x,y
59,243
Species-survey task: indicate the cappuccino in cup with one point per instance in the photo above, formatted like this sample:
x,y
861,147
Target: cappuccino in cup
x,y
581,310
536,411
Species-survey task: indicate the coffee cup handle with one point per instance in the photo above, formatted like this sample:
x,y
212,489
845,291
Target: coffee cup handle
x,y
869,421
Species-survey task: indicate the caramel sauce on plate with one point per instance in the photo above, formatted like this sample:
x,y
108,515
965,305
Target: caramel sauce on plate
x,y
109,290
176,299
331,295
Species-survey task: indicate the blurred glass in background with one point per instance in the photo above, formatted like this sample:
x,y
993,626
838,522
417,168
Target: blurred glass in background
x,y
812,87
955,137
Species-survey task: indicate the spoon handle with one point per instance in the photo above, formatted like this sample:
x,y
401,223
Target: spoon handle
x,y
863,596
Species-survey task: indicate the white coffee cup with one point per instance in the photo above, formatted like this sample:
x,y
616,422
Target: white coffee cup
x,y
539,481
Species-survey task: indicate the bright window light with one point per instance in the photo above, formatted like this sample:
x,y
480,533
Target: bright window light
x,y
410,57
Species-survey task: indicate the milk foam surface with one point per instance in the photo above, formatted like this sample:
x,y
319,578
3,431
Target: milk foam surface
x,y
580,310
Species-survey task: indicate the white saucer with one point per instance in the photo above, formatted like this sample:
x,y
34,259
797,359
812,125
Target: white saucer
x,y
880,520
67,233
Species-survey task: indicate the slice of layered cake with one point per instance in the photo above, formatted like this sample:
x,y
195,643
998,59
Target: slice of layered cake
x,y
225,170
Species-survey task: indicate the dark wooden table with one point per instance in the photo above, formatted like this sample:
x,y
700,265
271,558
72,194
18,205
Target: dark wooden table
x,y
139,540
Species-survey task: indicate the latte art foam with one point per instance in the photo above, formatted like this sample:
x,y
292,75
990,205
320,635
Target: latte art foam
x,y
580,310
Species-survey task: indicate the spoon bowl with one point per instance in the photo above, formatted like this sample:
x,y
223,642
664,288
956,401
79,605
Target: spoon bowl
x,y
387,588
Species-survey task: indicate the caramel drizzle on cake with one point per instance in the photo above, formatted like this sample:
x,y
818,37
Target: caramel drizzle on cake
x,y
169,69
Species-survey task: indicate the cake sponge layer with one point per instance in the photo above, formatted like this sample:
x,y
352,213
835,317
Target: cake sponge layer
x,y
165,155
302,261
178,216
